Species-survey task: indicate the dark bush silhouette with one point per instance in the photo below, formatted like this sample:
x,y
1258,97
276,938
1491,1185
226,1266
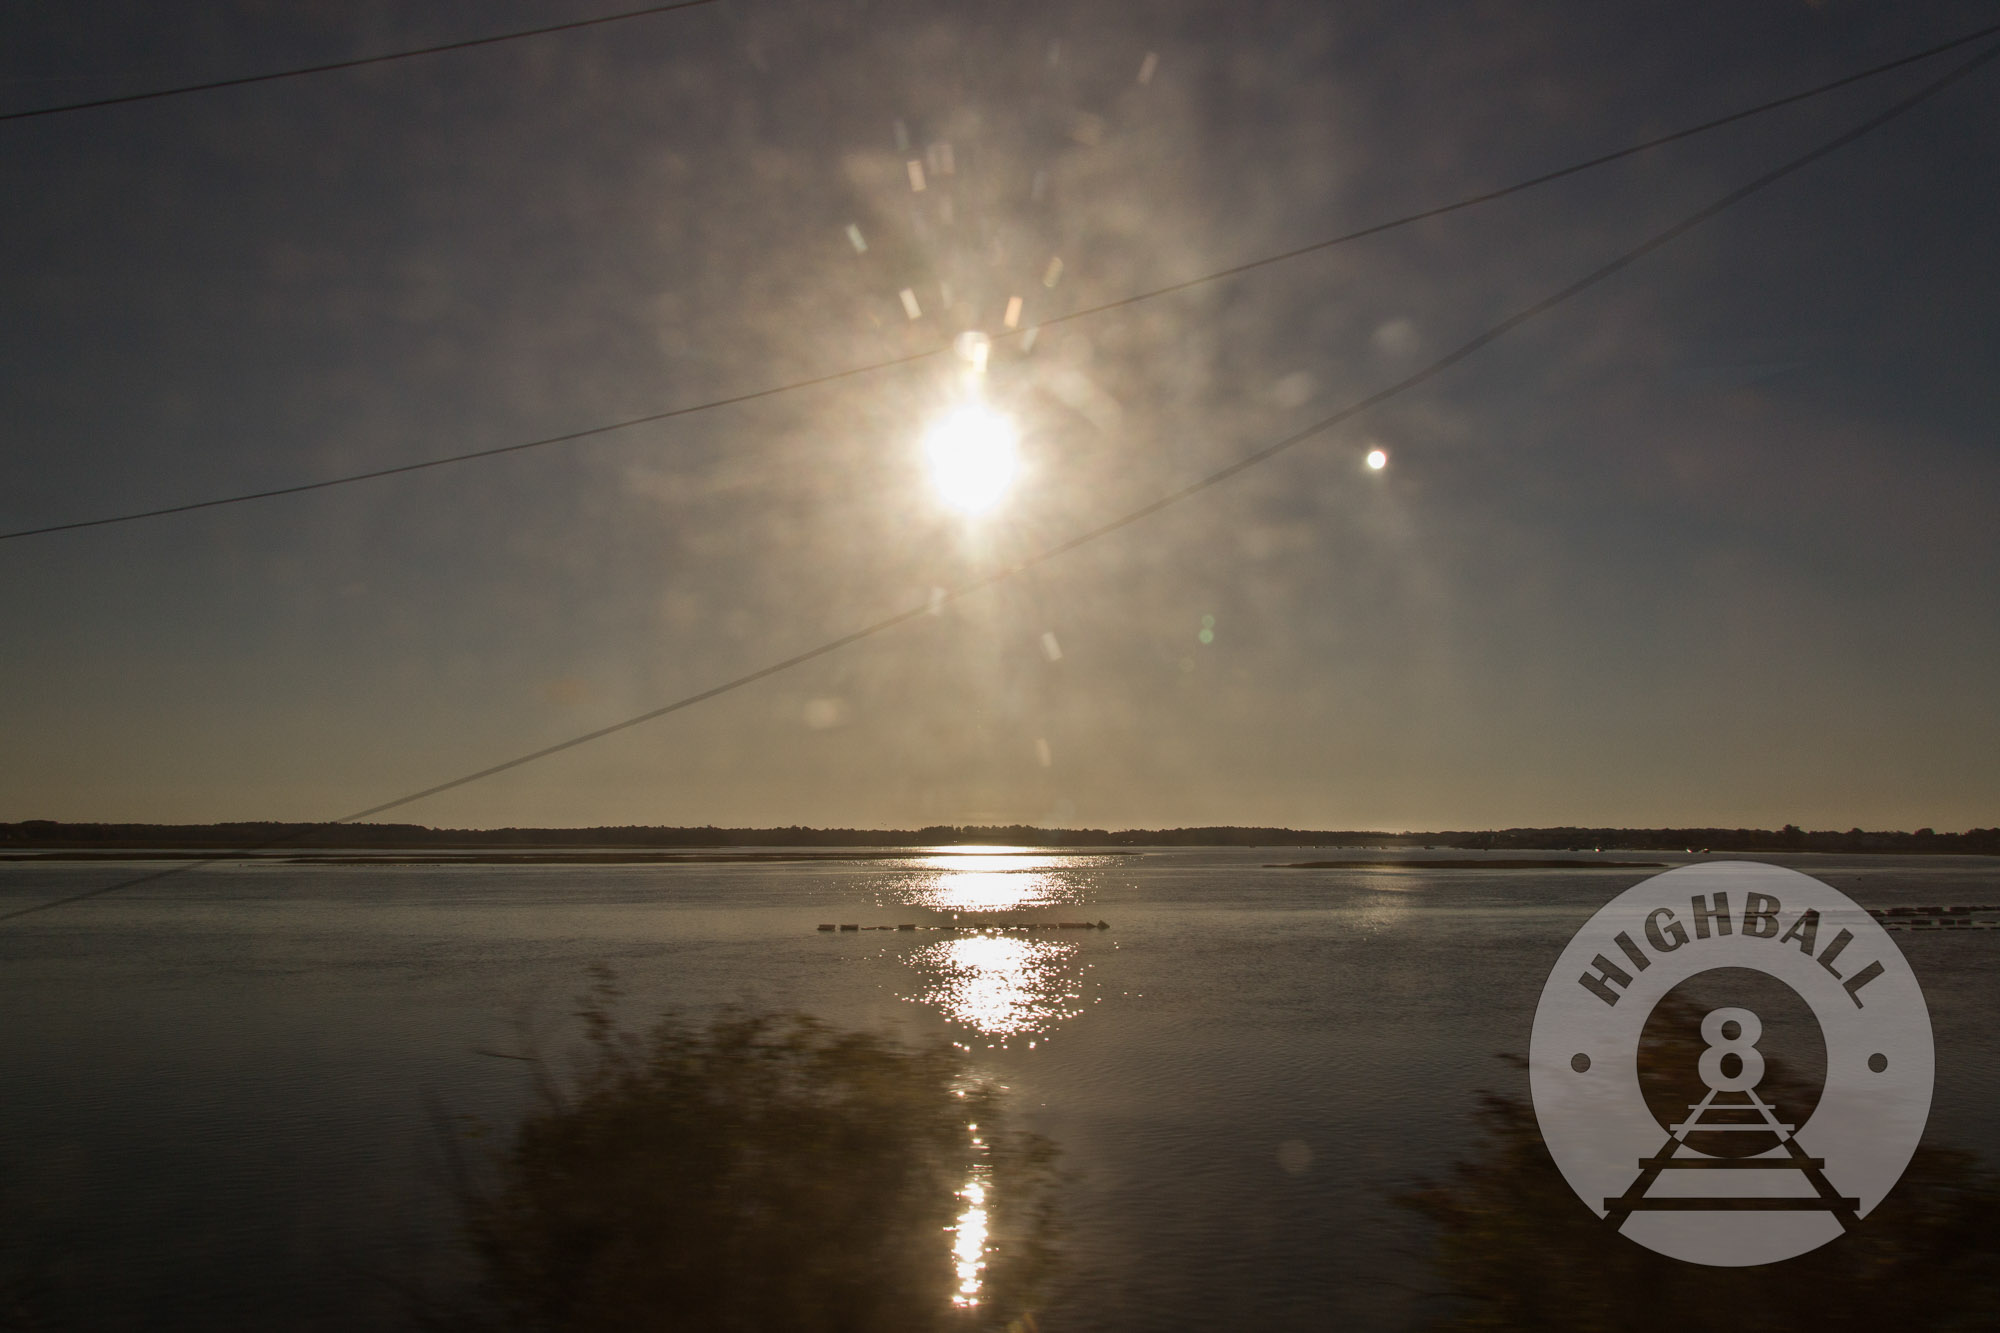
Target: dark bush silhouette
x,y
19,1291
759,1172
1518,1250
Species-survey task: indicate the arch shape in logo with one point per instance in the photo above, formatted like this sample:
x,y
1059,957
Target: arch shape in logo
x,y
1731,1063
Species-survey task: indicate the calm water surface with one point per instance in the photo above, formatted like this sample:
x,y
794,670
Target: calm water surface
x,y
220,1095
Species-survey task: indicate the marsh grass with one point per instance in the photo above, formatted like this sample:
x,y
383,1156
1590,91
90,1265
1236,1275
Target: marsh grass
x,y
1515,1249
754,1172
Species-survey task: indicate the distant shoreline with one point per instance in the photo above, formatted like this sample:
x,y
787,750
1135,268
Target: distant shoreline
x,y
493,858
108,841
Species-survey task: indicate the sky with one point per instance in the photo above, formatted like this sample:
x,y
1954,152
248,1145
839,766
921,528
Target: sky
x,y
1711,544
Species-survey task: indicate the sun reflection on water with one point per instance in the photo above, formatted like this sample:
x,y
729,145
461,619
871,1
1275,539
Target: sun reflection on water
x,y
968,1247
1000,985
987,879
983,891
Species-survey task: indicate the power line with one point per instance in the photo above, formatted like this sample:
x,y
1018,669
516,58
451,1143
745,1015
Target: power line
x,y
713,404
1531,182
1213,479
356,63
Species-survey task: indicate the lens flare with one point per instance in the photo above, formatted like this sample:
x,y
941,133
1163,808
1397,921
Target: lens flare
x,y
973,454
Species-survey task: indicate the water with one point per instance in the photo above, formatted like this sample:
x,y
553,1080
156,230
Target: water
x,y
221,1095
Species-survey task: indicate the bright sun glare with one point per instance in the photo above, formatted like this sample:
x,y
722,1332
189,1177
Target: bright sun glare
x,y
973,456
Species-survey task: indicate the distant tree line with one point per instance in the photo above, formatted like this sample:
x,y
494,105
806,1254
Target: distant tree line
x,y
47,833
1790,838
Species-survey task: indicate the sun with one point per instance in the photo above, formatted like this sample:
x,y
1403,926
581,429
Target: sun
x,y
974,454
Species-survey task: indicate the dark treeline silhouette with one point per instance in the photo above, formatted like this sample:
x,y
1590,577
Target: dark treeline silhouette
x,y
46,833
51,834
1790,838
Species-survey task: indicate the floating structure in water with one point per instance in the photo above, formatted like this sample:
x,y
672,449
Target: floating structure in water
x,y
1957,917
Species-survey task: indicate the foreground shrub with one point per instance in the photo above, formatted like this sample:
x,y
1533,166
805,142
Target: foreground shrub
x,y
1516,1249
761,1172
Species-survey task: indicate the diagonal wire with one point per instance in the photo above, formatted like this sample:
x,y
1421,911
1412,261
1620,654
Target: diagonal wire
x,y
1213,479
872,367
357,62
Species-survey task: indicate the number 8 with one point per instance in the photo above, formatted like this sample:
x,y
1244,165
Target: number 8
x,y
1743,1045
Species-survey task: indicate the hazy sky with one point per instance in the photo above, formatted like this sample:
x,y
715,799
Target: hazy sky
x,y
1712,544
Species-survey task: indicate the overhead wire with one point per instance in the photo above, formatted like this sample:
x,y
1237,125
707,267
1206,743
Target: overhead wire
x,y
1004,572
873,367
240,81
